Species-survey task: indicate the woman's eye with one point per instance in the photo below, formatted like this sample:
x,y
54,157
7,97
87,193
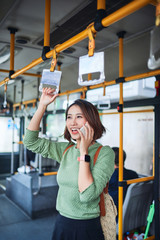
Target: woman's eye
x,y
79,116
68,117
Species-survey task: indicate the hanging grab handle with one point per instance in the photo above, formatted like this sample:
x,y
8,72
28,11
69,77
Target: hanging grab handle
x,y
91,43
54,61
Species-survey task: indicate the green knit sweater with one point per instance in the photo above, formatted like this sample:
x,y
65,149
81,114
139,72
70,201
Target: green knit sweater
x,y
70,202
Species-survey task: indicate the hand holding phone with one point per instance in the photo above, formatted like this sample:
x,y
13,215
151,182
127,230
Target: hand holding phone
x,y
83,130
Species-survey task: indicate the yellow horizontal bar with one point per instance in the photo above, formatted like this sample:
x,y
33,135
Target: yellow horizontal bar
x,y
73,91
27,74
116,16
21,71
32,74
154,2
103,84
85,89
25,102
142,75
144,179
110,83
138,111
49,173
29,101
16,104
124,12
20,142
113,82
150,238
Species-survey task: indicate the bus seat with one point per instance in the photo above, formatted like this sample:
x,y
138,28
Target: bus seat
x,y
136,205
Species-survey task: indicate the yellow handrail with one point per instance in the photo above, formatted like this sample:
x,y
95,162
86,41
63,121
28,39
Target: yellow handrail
x,y
110,83
143,179
124,12
25,103
120,188
27,74
49,173
114,17
12,38
137,111
150,238
101,4
47,23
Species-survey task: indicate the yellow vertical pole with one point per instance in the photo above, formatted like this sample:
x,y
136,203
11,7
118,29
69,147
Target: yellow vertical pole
x,y
101,4
153,163
120,189
12,51
47,23
12,40
101,13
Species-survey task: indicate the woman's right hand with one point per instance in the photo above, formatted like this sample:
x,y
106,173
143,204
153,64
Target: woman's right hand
x,y
48,96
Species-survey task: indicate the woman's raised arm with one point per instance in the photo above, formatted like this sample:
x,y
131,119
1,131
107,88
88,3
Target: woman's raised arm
x,y
47,97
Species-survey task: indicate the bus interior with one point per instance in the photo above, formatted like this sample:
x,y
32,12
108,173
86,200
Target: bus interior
x,y
123,82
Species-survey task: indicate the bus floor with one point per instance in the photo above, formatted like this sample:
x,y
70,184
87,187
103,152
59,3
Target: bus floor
x,y
15,224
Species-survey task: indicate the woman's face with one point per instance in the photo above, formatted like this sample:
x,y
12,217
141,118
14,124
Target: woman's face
x,y
75,120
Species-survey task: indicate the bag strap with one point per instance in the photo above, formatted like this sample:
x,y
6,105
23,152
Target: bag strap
x,y
96,155
68,148
101,203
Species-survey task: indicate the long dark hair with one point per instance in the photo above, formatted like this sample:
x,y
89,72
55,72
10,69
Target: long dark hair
x,y
92,116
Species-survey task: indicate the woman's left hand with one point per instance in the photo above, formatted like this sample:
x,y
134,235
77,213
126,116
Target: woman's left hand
x,y
87,139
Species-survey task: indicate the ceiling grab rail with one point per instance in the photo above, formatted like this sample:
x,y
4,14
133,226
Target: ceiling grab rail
x,y
110,83
26,74
112,18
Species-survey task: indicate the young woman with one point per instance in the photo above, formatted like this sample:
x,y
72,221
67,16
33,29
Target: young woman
x,y
80,183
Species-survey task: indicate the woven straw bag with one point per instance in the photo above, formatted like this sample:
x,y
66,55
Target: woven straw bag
x,y
108,210
108,221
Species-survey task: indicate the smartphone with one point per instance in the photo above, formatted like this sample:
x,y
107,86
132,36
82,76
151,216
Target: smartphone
x,y
83,130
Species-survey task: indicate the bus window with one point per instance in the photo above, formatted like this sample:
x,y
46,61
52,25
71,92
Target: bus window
x,y
138,137
55,126
6,130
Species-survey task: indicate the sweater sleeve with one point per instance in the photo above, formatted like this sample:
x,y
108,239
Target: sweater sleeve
x,y
45,147
101,172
